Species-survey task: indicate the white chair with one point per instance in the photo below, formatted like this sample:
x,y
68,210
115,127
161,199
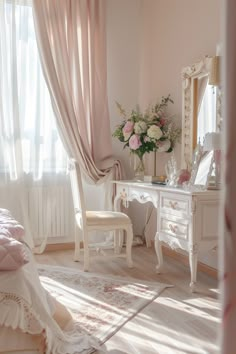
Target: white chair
x,y
96,220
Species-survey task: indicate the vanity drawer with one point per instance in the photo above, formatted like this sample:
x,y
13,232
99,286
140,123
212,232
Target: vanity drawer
x,y
172,203
141,194
175,227
144,195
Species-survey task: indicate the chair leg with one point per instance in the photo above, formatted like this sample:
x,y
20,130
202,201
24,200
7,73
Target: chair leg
x,y
77,246
86,252
118,241
129,241
121,239
116,238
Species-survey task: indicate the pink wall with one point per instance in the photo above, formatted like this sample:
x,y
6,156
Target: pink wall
x,y
123,37
179,33
149,42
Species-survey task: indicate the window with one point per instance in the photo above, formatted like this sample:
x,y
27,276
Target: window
x,y
28,133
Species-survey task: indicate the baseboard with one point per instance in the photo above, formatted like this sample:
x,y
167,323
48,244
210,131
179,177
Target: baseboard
x,y
182,258
212,272
60,246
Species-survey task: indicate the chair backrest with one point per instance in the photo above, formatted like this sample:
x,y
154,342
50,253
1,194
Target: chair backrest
x,y
77,192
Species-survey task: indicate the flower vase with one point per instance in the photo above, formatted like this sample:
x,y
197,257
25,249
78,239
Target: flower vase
x,y
139,169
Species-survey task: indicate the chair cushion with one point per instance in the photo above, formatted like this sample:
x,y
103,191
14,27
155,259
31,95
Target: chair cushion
x,y
106,218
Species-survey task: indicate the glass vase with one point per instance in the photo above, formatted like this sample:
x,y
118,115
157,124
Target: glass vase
x,y
139,169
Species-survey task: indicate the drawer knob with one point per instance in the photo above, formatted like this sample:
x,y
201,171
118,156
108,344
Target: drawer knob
x,y
173,228
173,205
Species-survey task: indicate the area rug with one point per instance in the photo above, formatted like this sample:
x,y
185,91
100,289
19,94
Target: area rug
x,y
100,305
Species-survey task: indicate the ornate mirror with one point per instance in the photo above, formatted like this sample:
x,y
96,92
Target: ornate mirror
x,y
199,107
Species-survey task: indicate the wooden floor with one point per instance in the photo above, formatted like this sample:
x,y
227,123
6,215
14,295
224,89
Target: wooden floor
x,y
176,322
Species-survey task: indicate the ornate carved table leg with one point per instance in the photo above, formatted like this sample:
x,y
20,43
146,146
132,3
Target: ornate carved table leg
x,y
193,255
158,250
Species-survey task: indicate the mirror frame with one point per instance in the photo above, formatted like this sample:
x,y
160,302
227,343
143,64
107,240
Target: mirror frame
x,y
190,76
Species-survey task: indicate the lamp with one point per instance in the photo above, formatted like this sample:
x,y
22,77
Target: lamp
x,y
212,141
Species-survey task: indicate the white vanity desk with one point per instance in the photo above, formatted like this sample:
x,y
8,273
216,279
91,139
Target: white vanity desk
x,y
186,220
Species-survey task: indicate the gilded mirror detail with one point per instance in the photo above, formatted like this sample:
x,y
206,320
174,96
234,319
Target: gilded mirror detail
x,y
194,83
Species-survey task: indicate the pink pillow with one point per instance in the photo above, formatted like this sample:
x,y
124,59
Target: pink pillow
x,y
12,253
9,226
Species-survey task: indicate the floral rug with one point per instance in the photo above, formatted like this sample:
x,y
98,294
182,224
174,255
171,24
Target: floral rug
x,y
100,305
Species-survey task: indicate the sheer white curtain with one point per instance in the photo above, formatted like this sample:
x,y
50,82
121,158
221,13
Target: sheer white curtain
x,y
30,141
31,153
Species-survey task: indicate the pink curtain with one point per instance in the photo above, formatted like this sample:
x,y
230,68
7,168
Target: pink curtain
x,y
71,37
228,345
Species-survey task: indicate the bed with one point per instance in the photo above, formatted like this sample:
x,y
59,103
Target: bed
x,y
31,320
15,342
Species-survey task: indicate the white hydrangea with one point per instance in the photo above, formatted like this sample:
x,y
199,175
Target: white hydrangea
x,y
164,145
140,127
154,132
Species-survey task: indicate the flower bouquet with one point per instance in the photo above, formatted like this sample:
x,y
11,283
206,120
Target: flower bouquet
x,y
149,131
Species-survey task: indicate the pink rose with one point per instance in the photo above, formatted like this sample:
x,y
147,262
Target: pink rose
x,y
162,121
184,176
146,139
128,129
134,142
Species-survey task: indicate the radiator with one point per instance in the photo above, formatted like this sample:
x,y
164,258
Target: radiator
x,y
51,211
47,206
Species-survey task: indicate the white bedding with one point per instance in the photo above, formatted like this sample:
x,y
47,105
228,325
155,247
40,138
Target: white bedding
x,y
25,305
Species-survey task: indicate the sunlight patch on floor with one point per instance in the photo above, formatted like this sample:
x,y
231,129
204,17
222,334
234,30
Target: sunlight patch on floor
x,y
181,306
168,340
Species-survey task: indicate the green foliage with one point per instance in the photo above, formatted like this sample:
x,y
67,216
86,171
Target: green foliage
x,y
118,132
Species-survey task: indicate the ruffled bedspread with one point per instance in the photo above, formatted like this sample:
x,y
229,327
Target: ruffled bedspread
x,y
9,226
26,305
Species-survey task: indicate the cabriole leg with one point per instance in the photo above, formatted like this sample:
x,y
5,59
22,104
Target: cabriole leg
x,y
193,255
158,250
